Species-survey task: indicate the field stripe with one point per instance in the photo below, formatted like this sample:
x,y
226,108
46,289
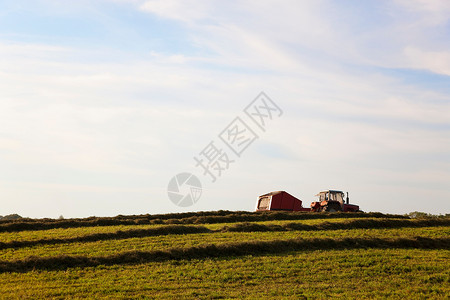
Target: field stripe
x,y
182,218
242,227
222,250
352,224
118,235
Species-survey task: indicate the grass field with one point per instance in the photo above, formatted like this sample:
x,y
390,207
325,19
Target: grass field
x,y
221,255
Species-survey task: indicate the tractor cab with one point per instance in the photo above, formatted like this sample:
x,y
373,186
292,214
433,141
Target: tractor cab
x,y
333,201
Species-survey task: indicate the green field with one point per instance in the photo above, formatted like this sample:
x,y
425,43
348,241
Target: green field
x,y
222,255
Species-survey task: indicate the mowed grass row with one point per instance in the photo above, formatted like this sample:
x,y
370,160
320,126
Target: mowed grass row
x,y
319,274
208,251
164,242
315,224
73,232
181,218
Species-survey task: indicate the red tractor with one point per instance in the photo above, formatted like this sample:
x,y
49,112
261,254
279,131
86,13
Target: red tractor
x,y
333,201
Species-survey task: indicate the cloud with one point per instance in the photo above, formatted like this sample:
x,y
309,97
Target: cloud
x,y
310,33
426,5
187,11
430,12
434,61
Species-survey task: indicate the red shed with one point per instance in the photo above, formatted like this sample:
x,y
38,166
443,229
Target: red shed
x,y
279,200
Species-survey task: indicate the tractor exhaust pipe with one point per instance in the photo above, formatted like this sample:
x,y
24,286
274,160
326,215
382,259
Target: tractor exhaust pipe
x,y
347,200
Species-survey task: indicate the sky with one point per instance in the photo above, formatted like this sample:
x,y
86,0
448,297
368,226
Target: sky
x,y
103,102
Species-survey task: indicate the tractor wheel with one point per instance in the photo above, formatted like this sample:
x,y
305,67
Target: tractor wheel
x,y
332,207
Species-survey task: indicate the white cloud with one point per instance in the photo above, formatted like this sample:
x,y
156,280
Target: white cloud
x,y
282,36
187,11
431,12
435,61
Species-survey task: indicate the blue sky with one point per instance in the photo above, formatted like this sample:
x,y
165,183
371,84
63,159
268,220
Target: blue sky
x,y
103,102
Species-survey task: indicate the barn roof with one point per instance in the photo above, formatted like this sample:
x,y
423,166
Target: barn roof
x,y
273,193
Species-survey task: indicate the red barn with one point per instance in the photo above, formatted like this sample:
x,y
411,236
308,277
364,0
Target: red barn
x,y
279,200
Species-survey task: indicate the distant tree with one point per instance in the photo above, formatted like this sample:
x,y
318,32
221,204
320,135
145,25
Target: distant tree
x,y
422,215
11,217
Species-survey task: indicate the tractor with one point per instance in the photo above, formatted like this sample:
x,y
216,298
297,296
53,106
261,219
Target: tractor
x,y
330,200
333,201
